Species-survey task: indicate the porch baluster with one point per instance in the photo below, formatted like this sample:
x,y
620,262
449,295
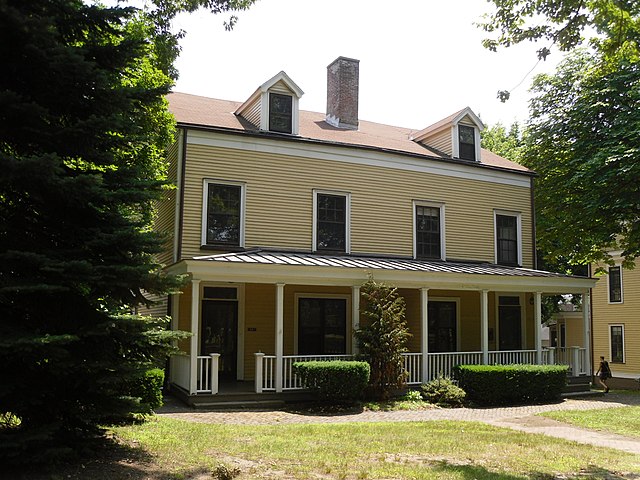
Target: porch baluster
x,y
258,375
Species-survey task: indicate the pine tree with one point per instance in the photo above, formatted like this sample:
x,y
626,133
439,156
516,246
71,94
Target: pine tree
x,y
383,338
83,130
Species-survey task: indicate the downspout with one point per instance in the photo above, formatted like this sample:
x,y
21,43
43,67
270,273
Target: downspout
x,y
533,224
591,322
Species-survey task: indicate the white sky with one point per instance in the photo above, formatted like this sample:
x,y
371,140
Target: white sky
x,y
420,60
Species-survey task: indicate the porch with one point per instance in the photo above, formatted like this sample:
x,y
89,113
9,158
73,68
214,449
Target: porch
x,y
437,364
254,315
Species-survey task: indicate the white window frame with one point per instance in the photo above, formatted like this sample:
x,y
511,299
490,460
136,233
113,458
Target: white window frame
x,y
266,114
523,317
455,141
439,205
609,286
455,300
348,330
509,213
624,356
347,238
243,198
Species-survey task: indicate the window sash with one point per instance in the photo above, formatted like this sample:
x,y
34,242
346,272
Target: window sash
x,y
507,239
616,333
224,206
466,142
615,285
280,113
428,232
331,222
322,326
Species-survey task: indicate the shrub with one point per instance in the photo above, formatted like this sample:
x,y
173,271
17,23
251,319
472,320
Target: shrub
x,y
412,396
149,389
442,391
511,384
384,338
336,380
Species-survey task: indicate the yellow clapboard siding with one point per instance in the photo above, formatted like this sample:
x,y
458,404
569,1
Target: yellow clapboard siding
x,y
626,313
279,203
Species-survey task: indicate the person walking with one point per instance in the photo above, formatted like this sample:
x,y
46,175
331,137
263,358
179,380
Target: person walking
x,y
603,373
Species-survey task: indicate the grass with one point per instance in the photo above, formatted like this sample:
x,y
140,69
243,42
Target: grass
x,y
407,450
620,420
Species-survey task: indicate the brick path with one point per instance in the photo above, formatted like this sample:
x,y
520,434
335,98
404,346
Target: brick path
x,y
517,418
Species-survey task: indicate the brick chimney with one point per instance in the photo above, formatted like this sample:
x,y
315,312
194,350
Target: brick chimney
x,y
342,93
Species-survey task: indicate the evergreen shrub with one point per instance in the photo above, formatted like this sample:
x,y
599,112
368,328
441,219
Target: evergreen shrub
x,y
444,392
149,389
336,380
511,384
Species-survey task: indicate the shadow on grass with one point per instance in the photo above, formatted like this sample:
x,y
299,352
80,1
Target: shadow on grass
x,y
112,462
471,472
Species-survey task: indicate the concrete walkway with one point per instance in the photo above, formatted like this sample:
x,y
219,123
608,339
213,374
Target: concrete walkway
x,y
518,418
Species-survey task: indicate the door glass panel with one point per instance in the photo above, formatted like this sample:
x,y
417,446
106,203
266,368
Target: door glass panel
x,y
219,334
510,327
442,326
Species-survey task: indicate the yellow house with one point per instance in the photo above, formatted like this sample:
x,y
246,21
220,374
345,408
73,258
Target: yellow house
x,y
279,215
616,323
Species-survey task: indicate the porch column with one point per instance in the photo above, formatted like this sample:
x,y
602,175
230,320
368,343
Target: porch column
x,y
484,326
279,334
424,334
175,309
355,318
586,323
193,355
537,317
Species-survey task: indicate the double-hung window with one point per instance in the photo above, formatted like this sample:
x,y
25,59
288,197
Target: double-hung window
x,y
615,284
508,238
466,142
331,222
223,213
280,113
428,220
616,340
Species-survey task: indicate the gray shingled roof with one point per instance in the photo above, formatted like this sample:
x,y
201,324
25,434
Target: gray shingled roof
x,y
269,257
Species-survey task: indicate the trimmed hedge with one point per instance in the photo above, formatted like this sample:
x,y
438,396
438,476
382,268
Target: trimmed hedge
x,y
511,384
336,379
149,389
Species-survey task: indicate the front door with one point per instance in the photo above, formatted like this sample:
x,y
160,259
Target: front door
x,y
442,326
510,323
220,334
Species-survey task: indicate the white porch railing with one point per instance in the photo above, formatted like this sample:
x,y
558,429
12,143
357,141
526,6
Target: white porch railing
x,y
574,357
412,366
206,373
510,357
443,363
265,379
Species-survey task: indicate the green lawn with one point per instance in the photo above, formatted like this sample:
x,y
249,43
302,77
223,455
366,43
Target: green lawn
x,y
621,420
407,450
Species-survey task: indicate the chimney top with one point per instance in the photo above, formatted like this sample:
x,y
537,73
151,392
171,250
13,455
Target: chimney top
x,y
342,93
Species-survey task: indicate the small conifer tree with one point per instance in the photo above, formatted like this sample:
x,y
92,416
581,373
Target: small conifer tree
x,y
384,336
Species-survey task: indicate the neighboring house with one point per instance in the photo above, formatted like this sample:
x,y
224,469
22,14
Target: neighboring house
x,y
280,215
616,323
567,335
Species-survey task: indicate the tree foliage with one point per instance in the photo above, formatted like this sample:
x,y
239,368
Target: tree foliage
x,y
583,142
615,25
383,338
84,128
508,144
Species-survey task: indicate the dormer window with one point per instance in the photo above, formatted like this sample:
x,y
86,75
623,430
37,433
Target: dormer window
x,y
467,139
280,113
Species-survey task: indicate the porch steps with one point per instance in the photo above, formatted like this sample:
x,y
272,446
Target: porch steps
x,y
579,387
240,400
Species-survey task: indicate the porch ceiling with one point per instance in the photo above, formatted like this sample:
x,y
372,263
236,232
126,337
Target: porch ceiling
x,y
269,266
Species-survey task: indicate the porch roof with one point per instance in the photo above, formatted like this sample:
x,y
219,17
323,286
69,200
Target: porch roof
x,y
288,266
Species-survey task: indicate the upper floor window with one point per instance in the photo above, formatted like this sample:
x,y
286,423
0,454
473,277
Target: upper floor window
x,y
467,142
331,222
616,341
615,284
223,213
508,239
428,230
280,113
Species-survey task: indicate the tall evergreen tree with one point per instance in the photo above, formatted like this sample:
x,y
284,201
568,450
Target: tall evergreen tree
x,y
83,130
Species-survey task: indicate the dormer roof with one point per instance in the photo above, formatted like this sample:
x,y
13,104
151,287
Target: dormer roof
x,y
456,136
256,108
